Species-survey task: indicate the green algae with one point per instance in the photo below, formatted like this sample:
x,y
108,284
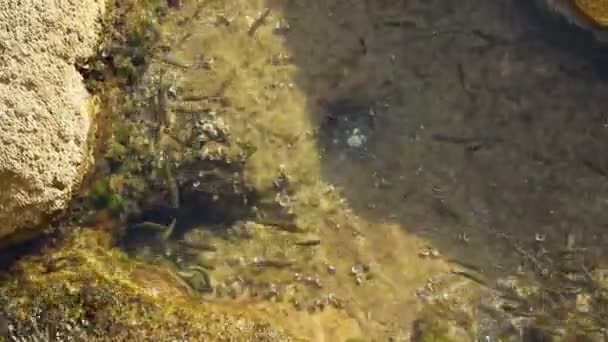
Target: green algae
x,y
104,197
123,186
131,29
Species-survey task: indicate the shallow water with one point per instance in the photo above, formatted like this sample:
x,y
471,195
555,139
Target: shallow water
x,y
469,129
414,135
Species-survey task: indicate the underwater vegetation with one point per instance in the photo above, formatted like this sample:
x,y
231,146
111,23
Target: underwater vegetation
x,y
82,289
208,197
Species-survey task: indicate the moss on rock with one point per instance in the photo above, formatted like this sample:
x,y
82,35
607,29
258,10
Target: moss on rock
x,y
84,289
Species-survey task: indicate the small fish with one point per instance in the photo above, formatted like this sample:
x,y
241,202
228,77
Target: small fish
x,y
283,225
271,263
308,243
165,230
198,245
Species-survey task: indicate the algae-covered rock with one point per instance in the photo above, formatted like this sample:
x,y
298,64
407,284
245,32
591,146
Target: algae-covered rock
x,y
45,110
81,289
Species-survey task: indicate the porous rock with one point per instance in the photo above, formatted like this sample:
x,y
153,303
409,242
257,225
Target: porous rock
x,y
45,110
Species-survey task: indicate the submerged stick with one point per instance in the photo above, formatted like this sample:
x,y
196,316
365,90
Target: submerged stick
x,y
173,187
258,22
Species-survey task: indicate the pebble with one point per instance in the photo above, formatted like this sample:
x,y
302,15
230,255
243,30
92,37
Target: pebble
x,y
356,139
429,253
175,3
331,269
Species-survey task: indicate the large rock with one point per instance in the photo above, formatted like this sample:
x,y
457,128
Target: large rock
x,y
45,110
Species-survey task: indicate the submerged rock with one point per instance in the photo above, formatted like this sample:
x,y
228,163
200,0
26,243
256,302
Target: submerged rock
x,y
84,290
45,110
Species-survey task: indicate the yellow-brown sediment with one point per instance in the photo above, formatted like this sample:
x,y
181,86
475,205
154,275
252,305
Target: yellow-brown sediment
x,y
595,10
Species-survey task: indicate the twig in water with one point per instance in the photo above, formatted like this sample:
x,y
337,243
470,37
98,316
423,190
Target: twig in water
x,y
258,22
